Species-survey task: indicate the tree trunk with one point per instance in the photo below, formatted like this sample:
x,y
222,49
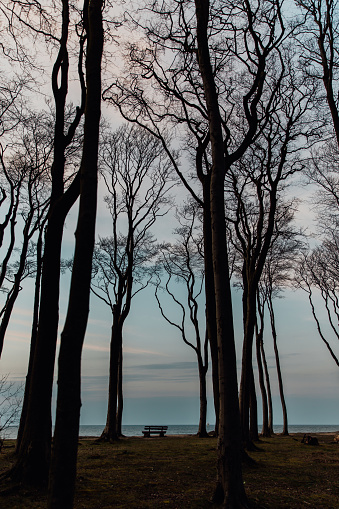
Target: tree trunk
x,y
120,394
247,366
63,465
265,432
230,489
202,431
268,387
210,298
34,333
110,431
280,381
254,434
35,446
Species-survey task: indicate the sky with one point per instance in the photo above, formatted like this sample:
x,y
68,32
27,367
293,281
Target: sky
x,y
160,371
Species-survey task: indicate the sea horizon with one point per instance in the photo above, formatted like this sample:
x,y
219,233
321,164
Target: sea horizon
x,y
129,430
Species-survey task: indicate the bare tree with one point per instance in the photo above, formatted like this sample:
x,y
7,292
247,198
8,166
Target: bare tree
x,y
137,177
26,176
277,274
35,446
63,465
318,271
186,75
182,263
258,182
317,38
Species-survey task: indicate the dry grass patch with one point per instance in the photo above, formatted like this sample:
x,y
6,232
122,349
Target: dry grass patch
x,y
178,472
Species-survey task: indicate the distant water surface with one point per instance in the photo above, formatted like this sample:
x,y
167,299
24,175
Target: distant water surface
x,y
191,429
187,429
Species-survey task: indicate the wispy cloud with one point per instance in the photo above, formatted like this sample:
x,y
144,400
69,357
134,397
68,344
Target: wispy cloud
x,y
100,323
96,348
22,311
170,365
21,337
128,349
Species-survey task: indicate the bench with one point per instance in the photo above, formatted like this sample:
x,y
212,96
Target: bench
x,y
155,430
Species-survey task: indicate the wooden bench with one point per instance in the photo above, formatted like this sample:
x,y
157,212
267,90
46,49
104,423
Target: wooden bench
x,y
155,430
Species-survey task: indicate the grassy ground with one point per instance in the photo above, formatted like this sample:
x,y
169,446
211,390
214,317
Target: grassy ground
x,y
179,472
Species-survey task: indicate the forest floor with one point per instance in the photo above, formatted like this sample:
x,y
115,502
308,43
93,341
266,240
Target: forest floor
x,y
179,472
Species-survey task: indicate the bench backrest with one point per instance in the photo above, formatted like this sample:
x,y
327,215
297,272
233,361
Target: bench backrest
x,y
155,428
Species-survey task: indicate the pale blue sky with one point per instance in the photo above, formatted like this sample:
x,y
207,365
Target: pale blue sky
x,y
160,374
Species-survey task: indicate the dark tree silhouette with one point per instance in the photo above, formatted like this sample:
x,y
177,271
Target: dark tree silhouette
x,y
318,41
25,173
286,246
65,445
266,395
137,178
223,120
317,36
183,263
35,445
258,181
318,270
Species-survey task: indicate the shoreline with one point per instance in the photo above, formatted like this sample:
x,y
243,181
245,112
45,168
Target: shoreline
x,y
188,435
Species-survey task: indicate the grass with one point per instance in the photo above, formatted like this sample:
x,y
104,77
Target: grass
x,y
179,472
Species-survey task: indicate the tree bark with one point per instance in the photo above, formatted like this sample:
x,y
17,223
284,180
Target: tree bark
x,y
210,298
63,465
254,434
277,360
110,431
265,432
34,333
246,385
120,394
230,489
202,431
268,388
35,447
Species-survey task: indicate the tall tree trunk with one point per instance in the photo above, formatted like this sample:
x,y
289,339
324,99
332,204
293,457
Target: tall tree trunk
x,y
120,394
202,431
247,364
277,360
254,434
110,431
230,489
265,432
268,388
210,298
63,465
34,333
35,446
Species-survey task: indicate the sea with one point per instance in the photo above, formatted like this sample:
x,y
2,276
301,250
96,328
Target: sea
x,y
134,430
